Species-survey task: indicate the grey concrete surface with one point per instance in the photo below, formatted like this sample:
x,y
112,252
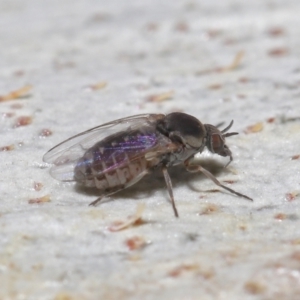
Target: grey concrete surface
x,y
215,60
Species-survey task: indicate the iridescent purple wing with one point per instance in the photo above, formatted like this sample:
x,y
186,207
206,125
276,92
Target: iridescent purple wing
x,y
113,136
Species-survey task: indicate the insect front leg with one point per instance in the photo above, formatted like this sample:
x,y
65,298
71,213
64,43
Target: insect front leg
x,y
197,168
170,190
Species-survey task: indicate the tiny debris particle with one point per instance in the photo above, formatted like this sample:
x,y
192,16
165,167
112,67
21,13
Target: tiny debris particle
x,y
182,269
276,31
152,26
7,115
255,287
295,241
39,200
37,186
254,128
236,62
294,157
135,242
17,94
213,33
215,86
243,227
64,296
19,73
160,97
7,148
99,18
16,106
45,132
276,52
271,120
296,255
182,26
291,196
132,220
244,80
98,86
241,96
230,41
23,121
280,216
210,209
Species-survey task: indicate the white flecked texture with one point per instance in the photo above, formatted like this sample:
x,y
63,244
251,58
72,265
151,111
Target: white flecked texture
x,y
222,246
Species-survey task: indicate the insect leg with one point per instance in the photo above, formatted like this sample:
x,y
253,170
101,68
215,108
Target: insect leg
x,y
170,189
117,188
196,168
107,193
95,202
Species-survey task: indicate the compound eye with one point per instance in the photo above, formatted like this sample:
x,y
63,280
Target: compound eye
x,y
217,144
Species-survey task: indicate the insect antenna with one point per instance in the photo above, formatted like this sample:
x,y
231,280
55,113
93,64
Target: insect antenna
x,y
230,134
228,127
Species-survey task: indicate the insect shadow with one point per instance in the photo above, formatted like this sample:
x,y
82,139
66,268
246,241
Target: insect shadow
x,y
154,181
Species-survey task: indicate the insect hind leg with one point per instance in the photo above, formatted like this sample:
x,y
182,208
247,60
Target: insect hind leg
x,y
107,192
112,190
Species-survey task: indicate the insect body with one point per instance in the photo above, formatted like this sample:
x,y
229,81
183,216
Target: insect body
x,y
115,155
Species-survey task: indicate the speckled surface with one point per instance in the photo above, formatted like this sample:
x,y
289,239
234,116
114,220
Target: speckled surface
x,y
221,247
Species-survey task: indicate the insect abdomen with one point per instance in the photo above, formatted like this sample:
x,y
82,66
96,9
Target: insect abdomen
x,y
115,161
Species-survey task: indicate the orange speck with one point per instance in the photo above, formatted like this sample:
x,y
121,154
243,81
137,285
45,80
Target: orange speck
x,y
23,121
98,86
182,26
210,209
254,128
297,156
291,196
215,86
160,97
271,120
255,287
243,79
213,33
135,242
276,31
183,268
45,132
39,200
22,92
280,216
7,148
280,51
132,220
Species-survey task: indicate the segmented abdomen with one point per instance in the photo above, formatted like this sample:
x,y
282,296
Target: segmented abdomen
x,y
115,161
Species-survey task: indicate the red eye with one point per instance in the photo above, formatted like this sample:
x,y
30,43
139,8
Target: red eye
x,y
217,143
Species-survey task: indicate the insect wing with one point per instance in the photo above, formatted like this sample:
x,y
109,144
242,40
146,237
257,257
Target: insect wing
x,y
65,155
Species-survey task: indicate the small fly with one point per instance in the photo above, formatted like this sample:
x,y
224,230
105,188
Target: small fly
x,y
116,155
